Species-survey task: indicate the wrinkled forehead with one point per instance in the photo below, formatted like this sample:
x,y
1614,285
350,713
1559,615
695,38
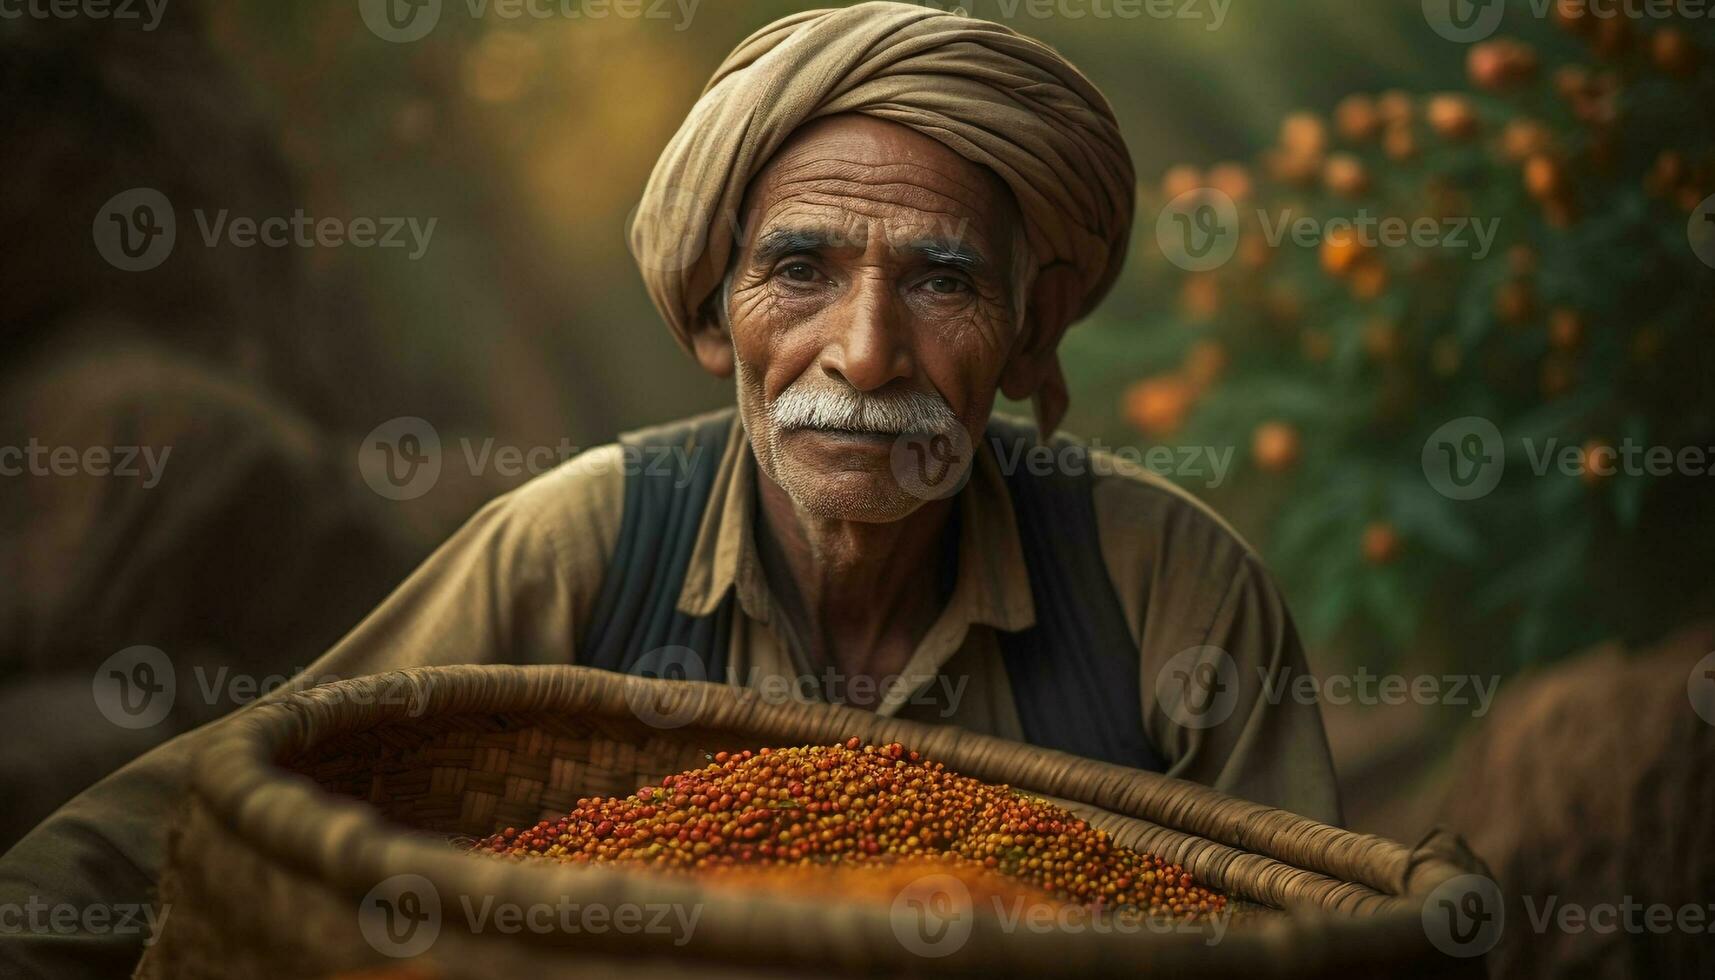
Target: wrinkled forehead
x,y
846,179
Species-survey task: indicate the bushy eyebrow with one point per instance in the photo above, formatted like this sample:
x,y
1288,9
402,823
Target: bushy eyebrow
x,y
781,242
950,252
778,243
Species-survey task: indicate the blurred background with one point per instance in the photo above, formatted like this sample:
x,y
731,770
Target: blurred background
x,y
1328,368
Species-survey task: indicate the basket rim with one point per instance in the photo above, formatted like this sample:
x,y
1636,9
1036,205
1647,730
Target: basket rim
x,y
348,844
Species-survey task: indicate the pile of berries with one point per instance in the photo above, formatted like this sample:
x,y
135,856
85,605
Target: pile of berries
x,y
854,804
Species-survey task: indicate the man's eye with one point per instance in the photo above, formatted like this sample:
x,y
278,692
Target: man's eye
x,y
798,272
946,285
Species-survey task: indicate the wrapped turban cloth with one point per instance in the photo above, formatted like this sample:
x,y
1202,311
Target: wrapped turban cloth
x,y
993,96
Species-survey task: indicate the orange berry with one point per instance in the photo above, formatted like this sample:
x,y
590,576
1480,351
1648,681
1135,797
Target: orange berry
x,y
1159,406
1565,329
1381,543
1673,52
1452,116
1344,174
1341,250
1275,446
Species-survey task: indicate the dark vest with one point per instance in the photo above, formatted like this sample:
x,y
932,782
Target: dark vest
x,y
1074,674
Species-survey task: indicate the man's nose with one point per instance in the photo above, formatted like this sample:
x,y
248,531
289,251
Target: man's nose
x,y
869,348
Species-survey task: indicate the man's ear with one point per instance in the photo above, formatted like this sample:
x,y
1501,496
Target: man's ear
x,y
711,344
1033,370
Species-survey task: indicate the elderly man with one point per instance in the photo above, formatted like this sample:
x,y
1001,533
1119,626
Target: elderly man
x,y
874,219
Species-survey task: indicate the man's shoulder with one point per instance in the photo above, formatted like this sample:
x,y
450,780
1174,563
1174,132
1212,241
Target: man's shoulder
x,y
1138,510
574,508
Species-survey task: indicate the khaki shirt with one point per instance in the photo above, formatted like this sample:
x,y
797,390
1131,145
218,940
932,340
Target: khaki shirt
x,y
517,583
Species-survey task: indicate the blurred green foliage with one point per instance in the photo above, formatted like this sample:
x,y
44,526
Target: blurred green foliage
x,y
1583,328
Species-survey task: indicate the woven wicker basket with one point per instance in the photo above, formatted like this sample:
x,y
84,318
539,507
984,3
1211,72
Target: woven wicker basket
x,y
314,841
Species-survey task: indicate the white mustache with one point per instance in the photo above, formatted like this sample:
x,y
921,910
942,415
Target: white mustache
x,y
821,407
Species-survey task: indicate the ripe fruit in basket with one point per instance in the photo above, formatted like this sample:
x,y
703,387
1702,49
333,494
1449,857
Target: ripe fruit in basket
x,y
854,804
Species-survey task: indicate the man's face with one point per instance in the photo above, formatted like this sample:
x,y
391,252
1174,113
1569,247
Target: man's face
x,y
871,299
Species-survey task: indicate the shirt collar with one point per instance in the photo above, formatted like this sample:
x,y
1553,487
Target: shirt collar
x,y
992,588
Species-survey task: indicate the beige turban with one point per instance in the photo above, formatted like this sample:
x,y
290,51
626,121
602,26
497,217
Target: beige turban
x,y
993,96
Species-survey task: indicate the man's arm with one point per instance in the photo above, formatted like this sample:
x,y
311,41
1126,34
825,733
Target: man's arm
x,y
511,586
1190,583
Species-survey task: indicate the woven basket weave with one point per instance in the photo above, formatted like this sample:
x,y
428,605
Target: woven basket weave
x,y
320,819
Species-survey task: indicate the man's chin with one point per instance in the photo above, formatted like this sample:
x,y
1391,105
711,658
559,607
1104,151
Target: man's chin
x,y
873,497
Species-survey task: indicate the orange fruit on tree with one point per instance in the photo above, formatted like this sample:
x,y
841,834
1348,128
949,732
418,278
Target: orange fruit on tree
x,y
1673,52
1158,406
1381,543
1596,461
1399,143
1341,250
1181,179
1369,278
1275,446
1452,116
1515,301
1565,329
1357,119
1544,177
1344,174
